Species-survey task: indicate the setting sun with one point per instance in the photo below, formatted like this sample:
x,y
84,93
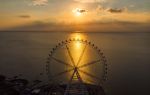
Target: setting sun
x,y
78,11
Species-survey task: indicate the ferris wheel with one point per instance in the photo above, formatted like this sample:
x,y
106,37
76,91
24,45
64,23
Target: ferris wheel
x,y
76,63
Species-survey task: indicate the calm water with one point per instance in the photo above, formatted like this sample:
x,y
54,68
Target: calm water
x,y
128,56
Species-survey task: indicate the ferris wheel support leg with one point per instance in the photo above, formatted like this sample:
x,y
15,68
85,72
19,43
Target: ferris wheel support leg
x,y
68,86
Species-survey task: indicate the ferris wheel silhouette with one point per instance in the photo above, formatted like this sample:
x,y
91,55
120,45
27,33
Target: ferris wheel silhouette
x,y
76,63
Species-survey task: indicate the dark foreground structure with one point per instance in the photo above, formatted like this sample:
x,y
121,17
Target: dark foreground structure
x,y
91,90
17,86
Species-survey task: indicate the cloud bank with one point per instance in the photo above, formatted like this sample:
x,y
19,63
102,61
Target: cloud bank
x,y
111,10
24,16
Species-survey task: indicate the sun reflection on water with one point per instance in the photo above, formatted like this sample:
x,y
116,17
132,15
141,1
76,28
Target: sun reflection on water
x,y
77,48
78,36
77,55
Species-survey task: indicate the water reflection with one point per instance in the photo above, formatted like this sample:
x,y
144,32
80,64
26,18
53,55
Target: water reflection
x,y
79,53
78,36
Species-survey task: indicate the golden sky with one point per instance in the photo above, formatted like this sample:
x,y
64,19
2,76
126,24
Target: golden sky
x,y
75,15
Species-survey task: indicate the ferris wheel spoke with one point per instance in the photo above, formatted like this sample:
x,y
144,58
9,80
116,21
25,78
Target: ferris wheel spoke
x,y
88,74
61,73
61,62
70,55
89,81
90,63
81,55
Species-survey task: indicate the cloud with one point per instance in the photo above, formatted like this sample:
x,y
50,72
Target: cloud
x,y
24,16
132,6
90,1
111,10
39,2
80,10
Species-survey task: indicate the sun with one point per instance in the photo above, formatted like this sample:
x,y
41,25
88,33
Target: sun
x,y
77,12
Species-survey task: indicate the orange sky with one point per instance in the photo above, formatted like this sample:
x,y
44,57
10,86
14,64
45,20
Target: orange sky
x,y
75,14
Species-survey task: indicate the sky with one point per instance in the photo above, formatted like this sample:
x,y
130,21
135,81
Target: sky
x,y
75,15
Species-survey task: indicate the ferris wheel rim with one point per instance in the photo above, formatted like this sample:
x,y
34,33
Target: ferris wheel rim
x,y
100,53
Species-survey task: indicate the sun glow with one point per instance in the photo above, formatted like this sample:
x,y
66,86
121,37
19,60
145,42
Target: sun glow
x,y
77,49
77,12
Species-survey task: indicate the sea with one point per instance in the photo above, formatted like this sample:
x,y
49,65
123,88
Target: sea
x,y
127,54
